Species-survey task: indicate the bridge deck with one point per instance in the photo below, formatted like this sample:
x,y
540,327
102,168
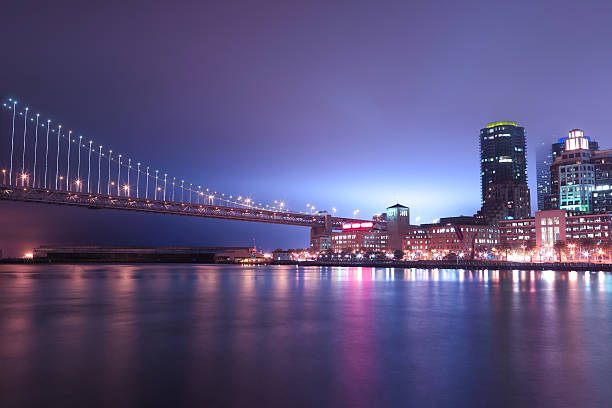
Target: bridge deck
x,y
100,201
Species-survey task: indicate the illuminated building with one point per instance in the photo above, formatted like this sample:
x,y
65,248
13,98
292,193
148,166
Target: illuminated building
x,y
507,200
503,172
543,162
572,175
558,148
360,237
516,233
552,226
502,154
281,255
450,235
601,201
320,236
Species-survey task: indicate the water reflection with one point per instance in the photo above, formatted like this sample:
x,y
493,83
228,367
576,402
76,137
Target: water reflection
x,y
602,279
212,335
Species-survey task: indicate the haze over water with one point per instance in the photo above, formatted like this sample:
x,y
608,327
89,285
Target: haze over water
x,y
225,335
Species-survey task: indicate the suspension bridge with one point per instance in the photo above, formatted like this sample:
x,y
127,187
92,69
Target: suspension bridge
x,y
44,162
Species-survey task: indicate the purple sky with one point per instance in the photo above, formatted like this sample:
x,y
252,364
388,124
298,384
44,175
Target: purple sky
x,y
345,104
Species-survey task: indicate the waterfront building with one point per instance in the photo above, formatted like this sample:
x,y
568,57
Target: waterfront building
x,y
552,226
398,222
281,255
450,235
360,237
517,233
503,172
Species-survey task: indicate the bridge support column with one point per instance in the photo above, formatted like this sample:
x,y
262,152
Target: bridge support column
x,y
320,235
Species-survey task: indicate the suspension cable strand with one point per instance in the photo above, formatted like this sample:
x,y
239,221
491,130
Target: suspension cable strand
x,y
119,177
127,190
35,148
47,152
108,184
25,128
78,180
12,144
59,131
99,167
156,172
68,165
89,167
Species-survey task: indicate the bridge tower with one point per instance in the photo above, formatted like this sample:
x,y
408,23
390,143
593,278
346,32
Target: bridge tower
x,y
320,235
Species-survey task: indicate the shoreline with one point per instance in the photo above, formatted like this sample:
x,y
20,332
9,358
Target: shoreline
x,y
477,265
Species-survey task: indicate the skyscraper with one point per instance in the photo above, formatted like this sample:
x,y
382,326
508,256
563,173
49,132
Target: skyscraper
x,y
572,175
547,198
544,160
502,155
503,172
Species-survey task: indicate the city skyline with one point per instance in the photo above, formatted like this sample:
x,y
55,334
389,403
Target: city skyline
x,y
502,146
293,151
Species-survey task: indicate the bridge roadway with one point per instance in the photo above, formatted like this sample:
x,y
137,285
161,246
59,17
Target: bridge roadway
x,y
100,201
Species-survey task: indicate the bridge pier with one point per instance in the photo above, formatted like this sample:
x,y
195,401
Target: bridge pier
x,y
320,235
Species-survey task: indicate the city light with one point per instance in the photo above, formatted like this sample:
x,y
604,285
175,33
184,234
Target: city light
x,y
547,251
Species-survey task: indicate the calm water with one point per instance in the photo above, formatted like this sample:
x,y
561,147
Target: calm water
x,y
206,336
